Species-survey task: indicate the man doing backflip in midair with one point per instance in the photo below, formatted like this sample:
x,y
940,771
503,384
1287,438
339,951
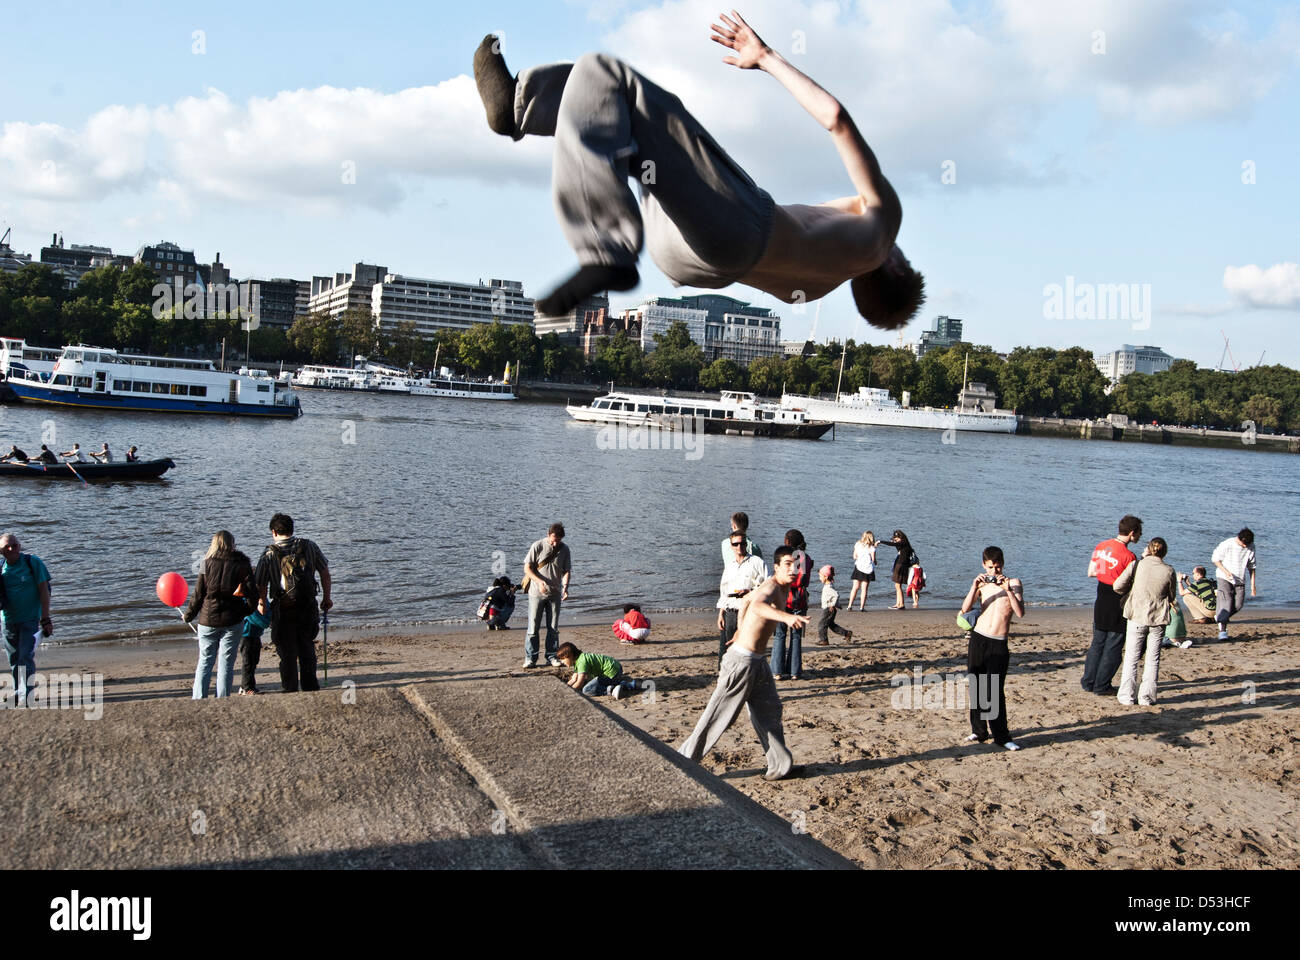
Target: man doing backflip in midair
x,y
706,222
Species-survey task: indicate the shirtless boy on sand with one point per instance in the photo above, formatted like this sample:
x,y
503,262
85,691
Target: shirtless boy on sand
x,y
745,679
706,222
987,657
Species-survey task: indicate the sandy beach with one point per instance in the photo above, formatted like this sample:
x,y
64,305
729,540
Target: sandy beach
x,y
1204,779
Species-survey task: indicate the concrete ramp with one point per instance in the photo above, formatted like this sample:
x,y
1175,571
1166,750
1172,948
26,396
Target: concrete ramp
x,y
590,790
511,772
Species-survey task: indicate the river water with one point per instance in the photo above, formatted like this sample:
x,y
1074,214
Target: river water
x,y
418,502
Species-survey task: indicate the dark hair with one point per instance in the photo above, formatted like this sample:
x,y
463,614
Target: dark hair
x,y
1158,546
1246,536
557,529
629,607
793,538
887,299
740,521
1200,568
282,524
994,554
781,553
1130,524
567,650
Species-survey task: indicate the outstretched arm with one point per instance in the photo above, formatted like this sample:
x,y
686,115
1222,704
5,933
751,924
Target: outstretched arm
x,y
752,53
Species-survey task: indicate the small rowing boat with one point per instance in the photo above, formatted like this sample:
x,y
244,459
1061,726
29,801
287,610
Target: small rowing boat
x,y
119,470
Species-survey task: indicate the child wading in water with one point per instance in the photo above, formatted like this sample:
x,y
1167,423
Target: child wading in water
x,y
830,606
987,656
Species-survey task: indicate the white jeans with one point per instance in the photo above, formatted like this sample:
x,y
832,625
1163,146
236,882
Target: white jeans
x,y
1139,635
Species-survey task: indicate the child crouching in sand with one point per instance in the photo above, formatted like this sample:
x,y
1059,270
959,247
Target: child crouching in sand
x,y
596,674
987,656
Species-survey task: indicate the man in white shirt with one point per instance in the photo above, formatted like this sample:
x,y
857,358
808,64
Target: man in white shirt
x,y
1232,558
740,523
75,454
742,573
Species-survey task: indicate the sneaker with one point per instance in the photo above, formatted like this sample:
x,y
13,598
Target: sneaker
x,y
529,664
1146,703
1186,643
1011,745
619,692
1223,634
1166,643
798,770
823,643
555,662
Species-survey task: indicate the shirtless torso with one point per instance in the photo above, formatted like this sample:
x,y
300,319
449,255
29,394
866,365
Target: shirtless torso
x,y
764,608
999,601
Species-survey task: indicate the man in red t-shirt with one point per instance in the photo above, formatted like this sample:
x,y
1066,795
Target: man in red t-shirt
x,y
1109,560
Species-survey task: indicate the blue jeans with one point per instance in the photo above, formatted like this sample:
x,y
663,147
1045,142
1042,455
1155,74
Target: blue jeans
x,y
600,685
539,607
784,657
1103,659
212,639
20,644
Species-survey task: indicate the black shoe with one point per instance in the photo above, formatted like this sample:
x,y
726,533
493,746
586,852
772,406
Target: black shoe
x,y
593,278
496,87
1108,692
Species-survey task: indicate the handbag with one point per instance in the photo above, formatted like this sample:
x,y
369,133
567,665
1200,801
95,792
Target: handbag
x,y
485,608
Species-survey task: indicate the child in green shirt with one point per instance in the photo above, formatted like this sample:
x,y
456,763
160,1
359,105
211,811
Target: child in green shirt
x,y
596,674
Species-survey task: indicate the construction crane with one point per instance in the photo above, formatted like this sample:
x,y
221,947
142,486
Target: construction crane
x,y
1227,352
4,241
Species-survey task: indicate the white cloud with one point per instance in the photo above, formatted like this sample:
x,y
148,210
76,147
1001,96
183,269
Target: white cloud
x,y
326,148
1275,287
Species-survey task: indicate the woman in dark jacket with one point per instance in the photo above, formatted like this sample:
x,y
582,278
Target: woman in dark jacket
x,y
905,560
221,613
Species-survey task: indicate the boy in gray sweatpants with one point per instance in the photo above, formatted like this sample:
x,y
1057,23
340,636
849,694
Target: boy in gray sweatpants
x,y
745,679
706,222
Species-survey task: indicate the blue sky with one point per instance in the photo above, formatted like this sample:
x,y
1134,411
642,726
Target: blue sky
x,y
1103,141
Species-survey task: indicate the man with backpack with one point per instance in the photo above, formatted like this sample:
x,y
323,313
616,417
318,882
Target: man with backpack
x,y
286,573
25,602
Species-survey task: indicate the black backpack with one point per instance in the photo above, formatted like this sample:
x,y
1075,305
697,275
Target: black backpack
x,y
293,579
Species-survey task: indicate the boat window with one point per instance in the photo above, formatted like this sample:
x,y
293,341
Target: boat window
x,y
718,413
263,388
81,381
600,405
121,386
180,390
198,391
160,388
62,380
641,408
671,410
138,386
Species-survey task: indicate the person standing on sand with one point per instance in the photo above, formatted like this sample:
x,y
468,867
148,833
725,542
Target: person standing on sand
x,y
864,568
220,601
287,572
987,655
24,609
742,573
1110,558
787,642
904,562
740,524
704,219
1150,590
746,679
547,567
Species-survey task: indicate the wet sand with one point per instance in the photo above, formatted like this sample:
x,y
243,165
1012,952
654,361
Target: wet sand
x,y
1204,779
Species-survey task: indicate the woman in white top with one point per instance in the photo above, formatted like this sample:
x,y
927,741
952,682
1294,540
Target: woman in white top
x,y
864,568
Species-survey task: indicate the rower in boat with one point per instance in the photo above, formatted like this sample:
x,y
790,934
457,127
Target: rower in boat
x,y
132,456
103,455
14,456
76,454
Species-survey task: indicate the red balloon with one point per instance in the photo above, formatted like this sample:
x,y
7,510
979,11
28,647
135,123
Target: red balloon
x,y
172,589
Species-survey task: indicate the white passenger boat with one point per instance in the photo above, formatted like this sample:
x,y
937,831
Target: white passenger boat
x,y
103,379
875,407
734,412
19,356
378,378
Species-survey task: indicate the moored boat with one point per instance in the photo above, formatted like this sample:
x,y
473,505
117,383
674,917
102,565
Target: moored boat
x,y
733,413
103,379
118,470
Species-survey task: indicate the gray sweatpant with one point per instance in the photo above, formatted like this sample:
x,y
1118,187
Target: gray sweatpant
x,y
744,679
706,222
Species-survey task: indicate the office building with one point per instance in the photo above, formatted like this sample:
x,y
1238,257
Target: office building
x,y
724,327
345,291
946,332
434,305
170,263
1130,359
